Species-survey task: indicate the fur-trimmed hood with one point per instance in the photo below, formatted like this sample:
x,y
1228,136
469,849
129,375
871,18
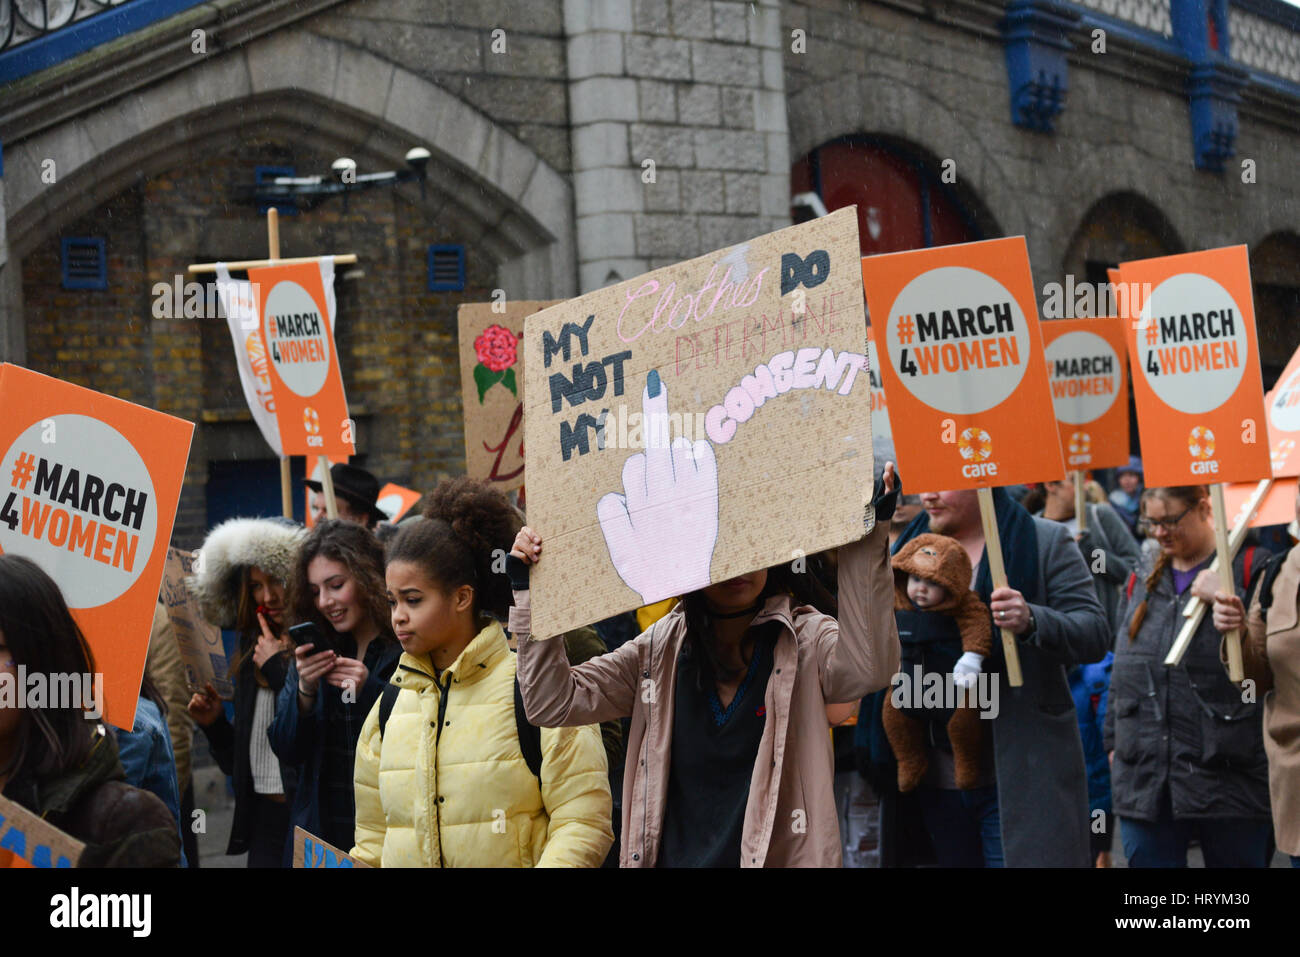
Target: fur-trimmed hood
x,y
936,558
270,544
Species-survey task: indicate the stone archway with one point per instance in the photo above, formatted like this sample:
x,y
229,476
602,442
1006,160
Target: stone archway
x,y
375,109
1275,276
1119,227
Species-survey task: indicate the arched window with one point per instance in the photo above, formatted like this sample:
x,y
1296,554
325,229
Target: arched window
x,y
902,200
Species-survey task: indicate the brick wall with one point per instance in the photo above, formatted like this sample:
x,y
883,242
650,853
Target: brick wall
x,y
396,340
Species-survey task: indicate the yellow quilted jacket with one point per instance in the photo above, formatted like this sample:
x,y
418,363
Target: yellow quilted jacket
x,y
447,785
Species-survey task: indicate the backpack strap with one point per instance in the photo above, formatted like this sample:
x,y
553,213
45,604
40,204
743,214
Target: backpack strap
x,y
386,702
530,736
1266,578
1128,588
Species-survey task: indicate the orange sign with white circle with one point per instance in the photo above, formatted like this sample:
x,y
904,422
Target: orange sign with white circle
x,y
1194,355
1089,381
961,359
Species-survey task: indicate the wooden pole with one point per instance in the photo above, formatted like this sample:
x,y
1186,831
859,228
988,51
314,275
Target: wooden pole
x,y
342,260
273,250
1080,501
1233,638
993,546
1195,609
327,485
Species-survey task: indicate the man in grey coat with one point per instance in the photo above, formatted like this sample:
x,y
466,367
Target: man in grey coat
x,y
1035,812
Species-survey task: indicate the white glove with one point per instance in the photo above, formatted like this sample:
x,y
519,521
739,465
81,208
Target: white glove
x,y
967,669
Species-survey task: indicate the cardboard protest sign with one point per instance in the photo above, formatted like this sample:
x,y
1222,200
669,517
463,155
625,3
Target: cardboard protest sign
x,y
202,651
1086,369
395,501
672,420
297,330
1278,507
963,364
88,491
492,389
880,427
310,851
1283,405
32,842
1195,362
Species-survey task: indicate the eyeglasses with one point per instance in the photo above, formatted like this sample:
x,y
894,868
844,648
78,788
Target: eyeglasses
x,y
1168,524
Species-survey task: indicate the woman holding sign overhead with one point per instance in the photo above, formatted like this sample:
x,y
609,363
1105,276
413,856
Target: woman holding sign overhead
x,y
729,763
1187,752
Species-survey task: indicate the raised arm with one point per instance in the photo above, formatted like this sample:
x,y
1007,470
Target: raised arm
x,y
860,654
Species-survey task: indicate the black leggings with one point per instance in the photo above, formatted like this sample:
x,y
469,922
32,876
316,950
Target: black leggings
x,y
270,826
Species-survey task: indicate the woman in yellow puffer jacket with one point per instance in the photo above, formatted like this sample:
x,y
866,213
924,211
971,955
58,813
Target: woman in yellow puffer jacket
x,y
445,782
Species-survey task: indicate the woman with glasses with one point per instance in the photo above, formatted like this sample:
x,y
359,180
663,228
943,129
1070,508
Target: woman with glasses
x,y
1187,754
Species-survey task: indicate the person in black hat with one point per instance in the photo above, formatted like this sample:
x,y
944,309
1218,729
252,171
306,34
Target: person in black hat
x,y
355,490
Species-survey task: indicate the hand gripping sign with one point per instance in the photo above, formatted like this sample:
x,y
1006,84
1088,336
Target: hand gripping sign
x,y
297,331
492,389
672,420
964,370
88,491
1196,384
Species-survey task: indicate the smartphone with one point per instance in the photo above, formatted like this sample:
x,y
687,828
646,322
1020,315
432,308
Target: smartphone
x,y
309,633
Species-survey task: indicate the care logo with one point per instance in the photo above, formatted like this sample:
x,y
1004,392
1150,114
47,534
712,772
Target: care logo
x,y
310,420
298,338
958,339
1281,452
82,507
974,444
1085,376
1200,443
1192,343
1080,443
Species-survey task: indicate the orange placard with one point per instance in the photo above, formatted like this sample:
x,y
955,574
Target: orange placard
x,y
297,330
88,491
1278,507
1283,405
963,364
395,501
880,427
1088,374
1195,362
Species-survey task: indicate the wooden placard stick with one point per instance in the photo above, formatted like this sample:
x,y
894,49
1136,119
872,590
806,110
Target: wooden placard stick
x,y
273,250
37,842
327,486
1233,638
345,259
993,547
1080,500
1195,609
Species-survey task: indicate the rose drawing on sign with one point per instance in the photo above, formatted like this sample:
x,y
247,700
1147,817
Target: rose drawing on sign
x,y
497,350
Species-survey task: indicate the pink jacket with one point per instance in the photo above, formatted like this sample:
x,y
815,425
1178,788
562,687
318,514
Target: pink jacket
x,y
791,818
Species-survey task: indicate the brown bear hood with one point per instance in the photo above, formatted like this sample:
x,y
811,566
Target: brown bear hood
x,y
936,558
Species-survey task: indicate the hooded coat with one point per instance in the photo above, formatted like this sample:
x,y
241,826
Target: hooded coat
x,y
272,546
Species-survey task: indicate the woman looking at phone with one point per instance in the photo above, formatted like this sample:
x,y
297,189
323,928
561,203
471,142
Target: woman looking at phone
x,y
344,654
240,584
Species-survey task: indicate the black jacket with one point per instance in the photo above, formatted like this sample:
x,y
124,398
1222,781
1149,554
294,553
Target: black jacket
x,y
1185,729
120,825
229,744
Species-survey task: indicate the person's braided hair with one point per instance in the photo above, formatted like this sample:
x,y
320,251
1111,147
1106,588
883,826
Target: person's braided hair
x,y
1188,495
